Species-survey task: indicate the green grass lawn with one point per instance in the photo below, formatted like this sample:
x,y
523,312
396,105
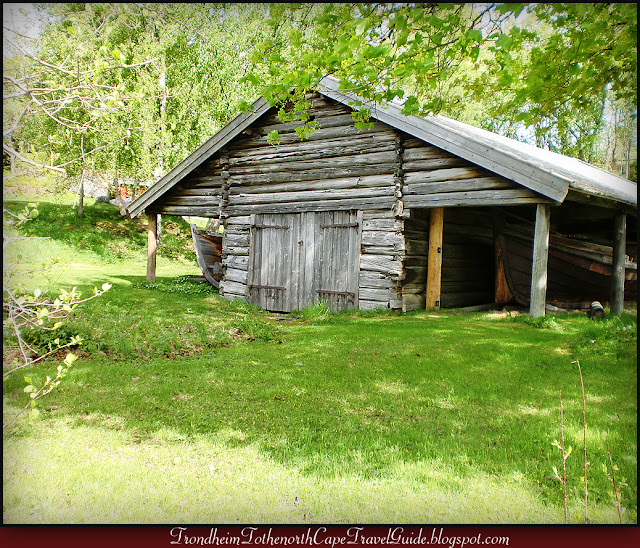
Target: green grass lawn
x,y
186,408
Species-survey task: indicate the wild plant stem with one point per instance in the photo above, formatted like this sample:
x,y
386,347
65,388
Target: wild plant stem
x,y
613,480
564,459
584,431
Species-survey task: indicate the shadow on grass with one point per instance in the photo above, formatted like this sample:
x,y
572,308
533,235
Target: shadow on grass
x,y
344,399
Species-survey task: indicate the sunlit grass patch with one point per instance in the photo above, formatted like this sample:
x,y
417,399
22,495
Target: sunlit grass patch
x,y
187,408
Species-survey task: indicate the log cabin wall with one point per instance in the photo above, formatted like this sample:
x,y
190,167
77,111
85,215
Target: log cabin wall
x,y
416,236
339,168
200,194
392,179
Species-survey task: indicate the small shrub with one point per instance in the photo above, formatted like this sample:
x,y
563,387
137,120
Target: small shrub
x,y
544,322
257,329
184,285
317,311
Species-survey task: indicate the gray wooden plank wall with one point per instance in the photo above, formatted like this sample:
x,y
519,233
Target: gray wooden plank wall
x,y
392,178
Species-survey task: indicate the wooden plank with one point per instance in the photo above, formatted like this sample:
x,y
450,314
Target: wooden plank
x,y
236,288
434,259
319,174
361,159
193,201
315,149
617,278
480,198
369,181
389,265
240,262
152,246
380,238
332,194
447,174
372,305
318,205
375,280
243,220
540,258
371,294
235,275
461,185
377,214
194,211
442,133
320,134
434,163
424,152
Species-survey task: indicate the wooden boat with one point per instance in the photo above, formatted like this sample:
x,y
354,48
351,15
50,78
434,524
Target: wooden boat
x,y
208,248
578,272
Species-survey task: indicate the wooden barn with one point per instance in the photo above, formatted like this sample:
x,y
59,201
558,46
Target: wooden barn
x,y
411,213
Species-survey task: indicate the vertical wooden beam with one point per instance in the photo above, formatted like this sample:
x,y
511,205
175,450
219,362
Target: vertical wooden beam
x,y
152,246
540,257
617,278
501,285
434,260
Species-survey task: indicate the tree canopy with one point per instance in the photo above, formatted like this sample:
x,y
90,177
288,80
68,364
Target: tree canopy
x,y
140,86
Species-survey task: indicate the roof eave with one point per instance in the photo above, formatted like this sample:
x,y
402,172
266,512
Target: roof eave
x,y
198,157
432,131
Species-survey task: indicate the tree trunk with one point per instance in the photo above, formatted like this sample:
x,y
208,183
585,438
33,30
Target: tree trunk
x,y
81,195
152,246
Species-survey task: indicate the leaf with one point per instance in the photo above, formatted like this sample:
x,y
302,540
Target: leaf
x,y
410,106
273,137
362,26
505,42
515,8
474,35
29,388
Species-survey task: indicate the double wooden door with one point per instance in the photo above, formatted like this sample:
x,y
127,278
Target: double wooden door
x,y
297,259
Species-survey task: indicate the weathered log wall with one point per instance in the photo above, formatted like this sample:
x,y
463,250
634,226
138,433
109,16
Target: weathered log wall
x,y
391,178
339,167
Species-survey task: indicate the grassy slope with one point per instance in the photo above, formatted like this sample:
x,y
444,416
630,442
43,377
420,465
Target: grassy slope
x,y
193,409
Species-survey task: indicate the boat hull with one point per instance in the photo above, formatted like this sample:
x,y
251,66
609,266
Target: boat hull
x,y
208,248
574,277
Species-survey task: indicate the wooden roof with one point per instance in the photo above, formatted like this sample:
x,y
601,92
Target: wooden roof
x,y
547,173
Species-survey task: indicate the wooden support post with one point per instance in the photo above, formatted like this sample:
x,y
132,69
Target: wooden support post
x,y
152,246
540,257
617,277
434,260
501,285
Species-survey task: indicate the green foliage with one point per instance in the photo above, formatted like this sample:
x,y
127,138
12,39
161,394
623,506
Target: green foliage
x,y
440,408
318,311
140,87
104,232
124,88
184,285
504,67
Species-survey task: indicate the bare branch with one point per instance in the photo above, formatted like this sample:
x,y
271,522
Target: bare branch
x,y
15,153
